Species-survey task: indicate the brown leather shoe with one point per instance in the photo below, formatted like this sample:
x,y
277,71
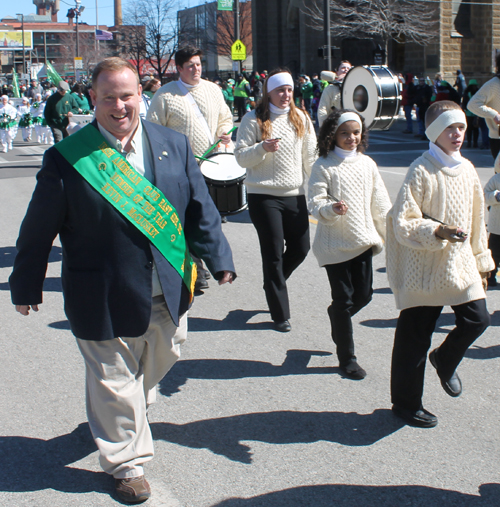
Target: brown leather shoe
x,y
133,489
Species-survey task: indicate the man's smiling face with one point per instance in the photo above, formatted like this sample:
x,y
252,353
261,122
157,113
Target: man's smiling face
x,y
116,97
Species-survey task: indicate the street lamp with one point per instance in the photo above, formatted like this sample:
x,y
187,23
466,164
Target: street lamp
x,y
78,10
22,28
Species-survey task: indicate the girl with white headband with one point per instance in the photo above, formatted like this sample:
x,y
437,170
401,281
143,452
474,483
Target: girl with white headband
x,y
349,199
437,255
276,143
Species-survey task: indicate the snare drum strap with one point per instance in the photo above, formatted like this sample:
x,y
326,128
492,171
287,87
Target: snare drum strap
x,y
197,111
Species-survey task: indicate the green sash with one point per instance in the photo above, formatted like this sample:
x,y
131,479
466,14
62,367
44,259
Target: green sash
x,y
137,199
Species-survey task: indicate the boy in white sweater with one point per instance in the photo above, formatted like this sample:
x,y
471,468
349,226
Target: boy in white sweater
x,y
492,199
437,255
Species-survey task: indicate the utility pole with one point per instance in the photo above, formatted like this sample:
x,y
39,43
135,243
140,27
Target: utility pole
x,y
237,27
22,28
328,35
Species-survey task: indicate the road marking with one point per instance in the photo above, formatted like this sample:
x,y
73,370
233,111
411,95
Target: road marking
x,y
20,163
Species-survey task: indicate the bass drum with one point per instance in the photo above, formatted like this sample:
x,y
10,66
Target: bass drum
x,y
224,178
375,93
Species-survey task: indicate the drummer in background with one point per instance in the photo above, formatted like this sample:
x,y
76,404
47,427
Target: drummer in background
x,y
196,108
331,97
276,143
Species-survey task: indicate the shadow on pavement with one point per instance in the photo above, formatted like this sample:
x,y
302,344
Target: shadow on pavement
x,y
240,218
51,284
477,352
295,363
346,495
224,436
444,324
35,464
235,320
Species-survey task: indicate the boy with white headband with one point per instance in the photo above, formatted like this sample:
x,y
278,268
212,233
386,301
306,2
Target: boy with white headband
x,y
437,254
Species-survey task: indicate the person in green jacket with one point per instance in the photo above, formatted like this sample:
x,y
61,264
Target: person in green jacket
x,y
241,94
78,93
61,106
306,89
227,91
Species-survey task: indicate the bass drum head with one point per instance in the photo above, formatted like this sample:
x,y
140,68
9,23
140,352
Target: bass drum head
x,y
374,92
224,169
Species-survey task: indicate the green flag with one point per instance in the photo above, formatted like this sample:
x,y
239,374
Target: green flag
x,y
224,5
15,84
52,75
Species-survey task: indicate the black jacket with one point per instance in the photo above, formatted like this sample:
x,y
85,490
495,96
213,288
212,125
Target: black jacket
x,y
106,261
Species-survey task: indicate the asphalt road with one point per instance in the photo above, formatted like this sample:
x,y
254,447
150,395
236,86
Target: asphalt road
x,y
250,417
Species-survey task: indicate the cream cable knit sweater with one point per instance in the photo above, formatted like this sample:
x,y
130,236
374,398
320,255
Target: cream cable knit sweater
x,y
283,172
422,269
356,181
491,189
170,108
486,103
331,97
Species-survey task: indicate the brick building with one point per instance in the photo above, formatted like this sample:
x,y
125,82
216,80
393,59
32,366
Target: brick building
x,y
467,38
213,31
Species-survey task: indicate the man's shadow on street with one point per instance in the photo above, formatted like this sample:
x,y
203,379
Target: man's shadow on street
x,y
224,436
235,320
346,495
295,363
35,464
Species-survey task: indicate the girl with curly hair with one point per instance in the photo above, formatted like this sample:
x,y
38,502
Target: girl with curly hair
x,y
276,143
349,199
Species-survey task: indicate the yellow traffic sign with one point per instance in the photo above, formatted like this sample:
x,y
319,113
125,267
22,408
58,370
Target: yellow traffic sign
x,y
238,51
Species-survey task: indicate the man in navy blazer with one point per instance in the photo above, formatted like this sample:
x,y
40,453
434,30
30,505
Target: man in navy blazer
x,y
126,304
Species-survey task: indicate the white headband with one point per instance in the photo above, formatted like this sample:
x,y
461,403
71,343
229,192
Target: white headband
x,y
436,128
349,117
277,80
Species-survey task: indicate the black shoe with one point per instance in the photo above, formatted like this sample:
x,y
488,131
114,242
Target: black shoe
x,y
419,418
223,219
133,490
352,370
283,327
452,386
201,283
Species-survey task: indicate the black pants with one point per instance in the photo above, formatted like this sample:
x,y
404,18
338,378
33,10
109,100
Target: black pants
x,y
282,224
413,340
351,283
494,246
59,134
472,131
240,104
494,147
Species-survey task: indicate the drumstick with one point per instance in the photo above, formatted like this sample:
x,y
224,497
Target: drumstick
x,y
206,159
460,234
217,142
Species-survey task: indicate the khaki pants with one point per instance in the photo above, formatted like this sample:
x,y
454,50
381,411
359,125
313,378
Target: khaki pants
x,y
121,378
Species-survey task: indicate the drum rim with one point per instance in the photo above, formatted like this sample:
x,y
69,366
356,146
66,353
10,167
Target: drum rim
x,y
377,120
206,164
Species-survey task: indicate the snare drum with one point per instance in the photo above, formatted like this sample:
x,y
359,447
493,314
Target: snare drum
x,y
374,92
224,179
78,121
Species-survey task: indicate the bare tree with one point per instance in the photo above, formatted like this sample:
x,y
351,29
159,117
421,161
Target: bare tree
x,y
159,18
409,20
90,52
134,35
225,29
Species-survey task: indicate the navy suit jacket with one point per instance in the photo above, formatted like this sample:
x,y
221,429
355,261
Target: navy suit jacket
x,y
106,261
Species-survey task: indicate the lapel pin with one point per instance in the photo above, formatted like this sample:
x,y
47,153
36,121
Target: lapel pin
x,y
164,153
159,158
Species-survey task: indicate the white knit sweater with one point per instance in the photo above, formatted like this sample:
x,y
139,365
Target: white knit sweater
x,y
491,189
331,97
283,172
357,182
169,107
486,103
422,269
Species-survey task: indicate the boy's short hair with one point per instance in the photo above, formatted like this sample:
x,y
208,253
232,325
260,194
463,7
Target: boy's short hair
x,y
185,54
438,108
